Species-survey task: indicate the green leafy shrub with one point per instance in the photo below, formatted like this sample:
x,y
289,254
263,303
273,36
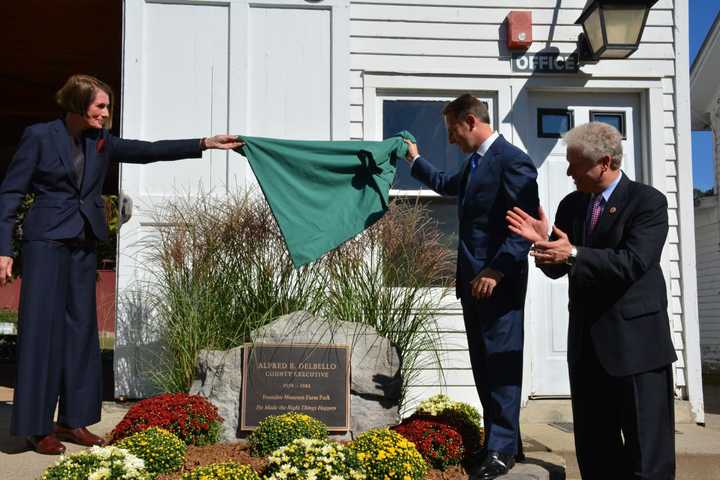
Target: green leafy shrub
x,y
442,404
279,430
384,454
222,471
98,463
162,451
305,459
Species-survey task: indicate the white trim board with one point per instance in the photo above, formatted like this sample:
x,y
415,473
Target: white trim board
x,y
686,211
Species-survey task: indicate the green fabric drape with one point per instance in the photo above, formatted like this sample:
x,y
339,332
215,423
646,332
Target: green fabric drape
x,y
323,193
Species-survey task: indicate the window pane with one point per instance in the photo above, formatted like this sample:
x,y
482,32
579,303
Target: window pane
x,y
422,118
553,123
617,120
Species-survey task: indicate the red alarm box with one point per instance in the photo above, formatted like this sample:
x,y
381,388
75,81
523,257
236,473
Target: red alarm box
x,y
519,29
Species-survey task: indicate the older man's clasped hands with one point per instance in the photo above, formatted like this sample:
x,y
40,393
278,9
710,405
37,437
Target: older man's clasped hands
x,y
535,230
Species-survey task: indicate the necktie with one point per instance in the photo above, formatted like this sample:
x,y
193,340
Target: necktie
x,y
595,211
474,160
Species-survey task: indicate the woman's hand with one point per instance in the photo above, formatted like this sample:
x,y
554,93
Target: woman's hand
x,y
223,142
6,264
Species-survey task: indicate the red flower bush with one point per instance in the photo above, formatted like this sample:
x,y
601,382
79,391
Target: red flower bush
x,y
438,440
191,417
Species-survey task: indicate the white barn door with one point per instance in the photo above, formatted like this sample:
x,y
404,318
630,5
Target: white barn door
x,y
549,115
194,68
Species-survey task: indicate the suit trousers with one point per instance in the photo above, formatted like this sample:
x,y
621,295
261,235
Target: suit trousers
x,y
624,426
58,347
495,343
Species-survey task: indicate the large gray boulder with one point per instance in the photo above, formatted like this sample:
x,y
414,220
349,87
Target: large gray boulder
x,y
375,370
219,379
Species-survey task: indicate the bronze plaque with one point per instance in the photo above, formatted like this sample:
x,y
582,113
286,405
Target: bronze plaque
x,y
309,379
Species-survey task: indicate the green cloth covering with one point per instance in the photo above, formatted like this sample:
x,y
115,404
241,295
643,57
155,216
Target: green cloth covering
x,y
323,193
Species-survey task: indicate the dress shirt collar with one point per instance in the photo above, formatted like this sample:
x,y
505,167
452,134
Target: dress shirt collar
x,y
485,146
611,188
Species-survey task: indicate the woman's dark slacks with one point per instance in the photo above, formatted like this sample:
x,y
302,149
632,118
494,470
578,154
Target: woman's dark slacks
x,y
58,347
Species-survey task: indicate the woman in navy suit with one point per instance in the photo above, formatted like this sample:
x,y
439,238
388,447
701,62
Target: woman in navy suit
x,y
64,163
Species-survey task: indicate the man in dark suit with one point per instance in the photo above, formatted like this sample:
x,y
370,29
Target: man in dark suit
x,y
63,163
491,267
608,238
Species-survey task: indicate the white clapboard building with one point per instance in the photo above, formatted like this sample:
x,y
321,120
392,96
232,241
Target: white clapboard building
x,y
347,69
705,111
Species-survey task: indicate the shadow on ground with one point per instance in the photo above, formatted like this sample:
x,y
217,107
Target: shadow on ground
x,y
8,443
557,472
711,393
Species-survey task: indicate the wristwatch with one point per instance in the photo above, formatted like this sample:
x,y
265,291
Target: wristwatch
x,y
573,256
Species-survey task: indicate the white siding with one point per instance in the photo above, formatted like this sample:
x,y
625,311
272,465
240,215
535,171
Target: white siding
x,y
707,244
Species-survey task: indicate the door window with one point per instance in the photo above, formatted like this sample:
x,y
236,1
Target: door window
x,y
616,119
553,122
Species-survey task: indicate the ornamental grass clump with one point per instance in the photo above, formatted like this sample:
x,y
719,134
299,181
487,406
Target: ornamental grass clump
x,y
162,451
464,417
438,441
222,471
279,430
384,454
381,278
217,271
98,463
192,418
305,459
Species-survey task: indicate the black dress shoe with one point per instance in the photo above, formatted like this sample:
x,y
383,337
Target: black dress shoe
x,y
494,465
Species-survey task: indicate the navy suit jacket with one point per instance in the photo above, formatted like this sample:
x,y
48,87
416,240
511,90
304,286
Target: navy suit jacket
x,y
618,297
504,178
42,165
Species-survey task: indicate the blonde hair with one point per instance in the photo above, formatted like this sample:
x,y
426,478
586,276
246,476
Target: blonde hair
x,y
78,93
596,140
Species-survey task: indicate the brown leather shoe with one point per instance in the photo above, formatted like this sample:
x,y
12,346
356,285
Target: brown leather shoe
x,y
46,444
80,436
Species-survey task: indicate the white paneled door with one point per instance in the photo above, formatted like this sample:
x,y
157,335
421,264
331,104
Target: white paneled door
x,y
550,115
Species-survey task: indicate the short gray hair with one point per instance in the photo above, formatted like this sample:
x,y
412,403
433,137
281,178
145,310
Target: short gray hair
x,y
596,140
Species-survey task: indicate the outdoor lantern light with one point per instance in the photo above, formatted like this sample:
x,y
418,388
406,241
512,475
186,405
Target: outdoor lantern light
x,y
612,28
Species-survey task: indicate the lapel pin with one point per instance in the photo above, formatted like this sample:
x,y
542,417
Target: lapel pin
x,y
612,210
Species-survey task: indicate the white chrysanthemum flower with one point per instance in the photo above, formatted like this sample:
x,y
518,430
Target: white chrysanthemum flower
x,y
100,474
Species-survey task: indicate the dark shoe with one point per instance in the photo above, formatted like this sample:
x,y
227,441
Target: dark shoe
x,y
80,436
46,444
494,465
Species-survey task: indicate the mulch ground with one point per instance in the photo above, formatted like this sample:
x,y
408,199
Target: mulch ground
x,y
239,453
